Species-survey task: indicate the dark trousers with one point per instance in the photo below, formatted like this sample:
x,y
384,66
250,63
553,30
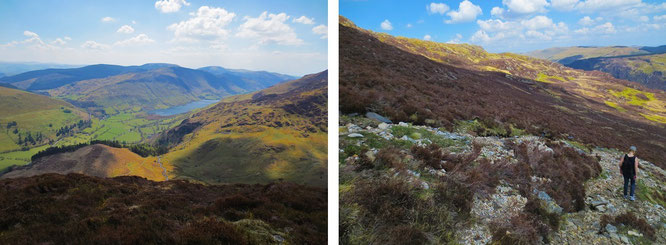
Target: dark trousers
x,y
627,179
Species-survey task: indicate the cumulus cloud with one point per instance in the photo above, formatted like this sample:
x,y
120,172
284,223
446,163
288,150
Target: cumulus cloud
x,y
565,5
321,30
108,19
427,37
304,20
437,8
467,11
497,12
524,7
269,28
386,25
125,29
659,17
94,45
170,6
456,40
586,21
138,40
207,23
606,28
595,5
532,29
59,41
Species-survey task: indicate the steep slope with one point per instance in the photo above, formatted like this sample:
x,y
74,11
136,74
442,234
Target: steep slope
x,y
276,133
649,70
566,55
249,80
78,209
95,160
442,84
33,116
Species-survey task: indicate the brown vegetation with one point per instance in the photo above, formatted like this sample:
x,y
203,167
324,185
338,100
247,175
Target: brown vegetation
x,y
77,209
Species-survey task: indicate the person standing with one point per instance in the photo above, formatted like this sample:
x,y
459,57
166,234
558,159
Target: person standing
x,y
629,170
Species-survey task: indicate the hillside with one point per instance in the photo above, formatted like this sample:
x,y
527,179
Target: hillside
x,y
644,65
250,80
272,134
78,209
438,84
649,70
28,115
566,55
481,148
95,160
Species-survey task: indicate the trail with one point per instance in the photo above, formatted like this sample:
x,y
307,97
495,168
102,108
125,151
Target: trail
x,y
584,225
164,172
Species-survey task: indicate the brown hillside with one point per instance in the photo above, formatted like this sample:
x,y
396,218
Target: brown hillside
x,y
393,77
95,160
79,209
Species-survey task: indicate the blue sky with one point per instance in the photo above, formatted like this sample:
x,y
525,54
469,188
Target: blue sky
x,y
285,36
516,25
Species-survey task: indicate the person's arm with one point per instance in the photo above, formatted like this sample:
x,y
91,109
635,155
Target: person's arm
x,y
620,165
636,168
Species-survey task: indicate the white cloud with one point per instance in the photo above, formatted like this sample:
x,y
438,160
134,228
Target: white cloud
x,y
427,37
138,40
595,5
94,45
269,28
108,19
496,25
207,23
386,25
456,40
321,30
304,20
497,12
30,34
170,6
564,5
586,21
467,11
606,28
644,18
659,17
437,8
481,36
408,25
524,7
59,41
537,22
125,29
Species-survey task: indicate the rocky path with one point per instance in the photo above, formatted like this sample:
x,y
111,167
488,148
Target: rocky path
x,y
164,171
605,195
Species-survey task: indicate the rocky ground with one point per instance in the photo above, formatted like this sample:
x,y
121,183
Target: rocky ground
x,y
603,193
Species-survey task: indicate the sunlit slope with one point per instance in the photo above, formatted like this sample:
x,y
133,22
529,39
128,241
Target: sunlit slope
x,y
33,114
277,133
649,70
439,84
566,55
94,160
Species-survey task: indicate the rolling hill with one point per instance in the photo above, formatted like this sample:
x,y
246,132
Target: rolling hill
x,y
276,133
250,80
645,65
439,84
94,160
24,114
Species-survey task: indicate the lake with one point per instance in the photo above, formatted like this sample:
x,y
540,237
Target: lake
x,y
183,108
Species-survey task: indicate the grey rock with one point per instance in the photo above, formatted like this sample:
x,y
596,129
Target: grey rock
x,y
425,185
383,126
611,228
624,239
601,208
355,135
404,124
377,117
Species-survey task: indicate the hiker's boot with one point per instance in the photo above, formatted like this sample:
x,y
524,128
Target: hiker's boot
x,y
632,198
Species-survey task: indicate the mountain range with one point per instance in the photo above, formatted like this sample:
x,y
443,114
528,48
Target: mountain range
x,y
642,64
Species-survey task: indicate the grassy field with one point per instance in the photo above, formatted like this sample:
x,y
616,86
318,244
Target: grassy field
x,y
123,126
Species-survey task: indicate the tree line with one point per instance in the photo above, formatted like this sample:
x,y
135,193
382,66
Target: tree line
x,y
143,150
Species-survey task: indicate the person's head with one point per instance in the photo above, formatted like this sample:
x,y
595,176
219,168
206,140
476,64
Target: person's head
x,y
632,149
